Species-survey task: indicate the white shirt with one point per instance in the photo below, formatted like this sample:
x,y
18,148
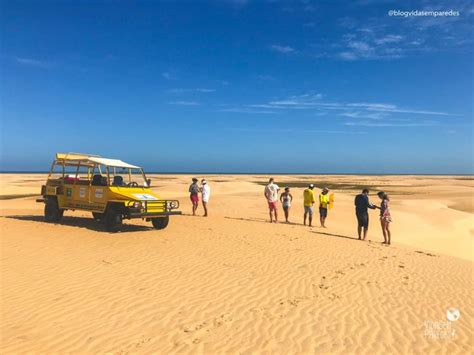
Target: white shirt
x,y
271,192
206,192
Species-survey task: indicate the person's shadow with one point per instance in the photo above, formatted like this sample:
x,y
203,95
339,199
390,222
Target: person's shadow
x,y
335,235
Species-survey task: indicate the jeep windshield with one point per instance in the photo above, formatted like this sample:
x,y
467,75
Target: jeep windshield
x,y
126,177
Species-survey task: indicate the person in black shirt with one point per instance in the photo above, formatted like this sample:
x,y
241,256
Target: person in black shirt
x,y
362,205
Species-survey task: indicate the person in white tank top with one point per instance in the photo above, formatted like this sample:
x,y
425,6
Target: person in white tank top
x,y
286,198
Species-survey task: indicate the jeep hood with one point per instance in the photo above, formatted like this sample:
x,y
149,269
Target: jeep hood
x,y
134,193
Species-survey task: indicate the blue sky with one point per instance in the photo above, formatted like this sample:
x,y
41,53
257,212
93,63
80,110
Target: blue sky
x,y
239,86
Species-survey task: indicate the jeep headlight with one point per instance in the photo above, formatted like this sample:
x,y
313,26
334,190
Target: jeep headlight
x,y
172,205
137,204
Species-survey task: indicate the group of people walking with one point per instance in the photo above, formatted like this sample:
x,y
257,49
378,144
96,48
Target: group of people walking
x,y
361,202
286,199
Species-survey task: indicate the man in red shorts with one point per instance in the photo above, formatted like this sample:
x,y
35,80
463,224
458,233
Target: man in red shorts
x,y
271,194
194,194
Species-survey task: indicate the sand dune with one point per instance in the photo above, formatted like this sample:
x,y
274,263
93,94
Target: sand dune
x,y
233,282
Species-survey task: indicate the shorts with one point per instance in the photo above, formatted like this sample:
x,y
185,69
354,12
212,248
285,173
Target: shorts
x,y
194,198
363,220
308,209
272,205
323,212
286,206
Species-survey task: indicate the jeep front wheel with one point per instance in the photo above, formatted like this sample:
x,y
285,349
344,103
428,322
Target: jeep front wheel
x,y
113,219
52,212
160,223
97,216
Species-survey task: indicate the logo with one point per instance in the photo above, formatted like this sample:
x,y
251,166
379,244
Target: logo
x,y
453,314
68,192
145,197
443,329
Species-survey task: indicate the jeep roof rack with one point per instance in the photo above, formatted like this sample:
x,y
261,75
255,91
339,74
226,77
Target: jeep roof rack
x,y
90,159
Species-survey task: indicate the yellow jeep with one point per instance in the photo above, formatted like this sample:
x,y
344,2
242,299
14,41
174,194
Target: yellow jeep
x,y
111,189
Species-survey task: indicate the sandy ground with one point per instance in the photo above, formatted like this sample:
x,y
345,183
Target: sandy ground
x,y
234,283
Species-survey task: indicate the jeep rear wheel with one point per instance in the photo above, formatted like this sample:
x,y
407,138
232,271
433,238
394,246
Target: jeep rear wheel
x,y
160,223
113,219
52,212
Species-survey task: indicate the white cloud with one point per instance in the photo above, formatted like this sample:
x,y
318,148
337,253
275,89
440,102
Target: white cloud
x,y
166,75
264,77
359,46
32,62
389,39
182,90
184,103
282,49
389,123
395,109
384,38
369,115
364,114
290,130
246,110
348,56
205,90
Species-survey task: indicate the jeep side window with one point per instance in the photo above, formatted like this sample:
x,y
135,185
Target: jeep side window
x,y
120,176
99,176
82,175
56,171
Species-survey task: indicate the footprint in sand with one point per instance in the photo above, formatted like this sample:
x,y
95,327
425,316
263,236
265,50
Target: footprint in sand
x,y
422,252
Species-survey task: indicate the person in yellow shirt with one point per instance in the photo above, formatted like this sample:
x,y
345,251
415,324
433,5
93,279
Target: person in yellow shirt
x,y
323,206
309,200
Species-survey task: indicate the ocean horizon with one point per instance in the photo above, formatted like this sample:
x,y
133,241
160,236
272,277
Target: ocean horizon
x,y
268,173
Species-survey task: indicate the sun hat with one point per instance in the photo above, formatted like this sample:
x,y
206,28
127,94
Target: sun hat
x,y
203,181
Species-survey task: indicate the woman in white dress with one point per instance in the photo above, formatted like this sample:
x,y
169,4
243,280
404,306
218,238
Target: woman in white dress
x,y
206,193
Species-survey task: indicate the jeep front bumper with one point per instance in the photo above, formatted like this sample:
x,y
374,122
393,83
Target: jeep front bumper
x,y
152,209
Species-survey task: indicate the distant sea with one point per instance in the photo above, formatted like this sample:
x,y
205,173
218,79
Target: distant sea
x,y
265,173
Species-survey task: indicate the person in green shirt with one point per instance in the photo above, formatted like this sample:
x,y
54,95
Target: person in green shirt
x,y
309,200
323,206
